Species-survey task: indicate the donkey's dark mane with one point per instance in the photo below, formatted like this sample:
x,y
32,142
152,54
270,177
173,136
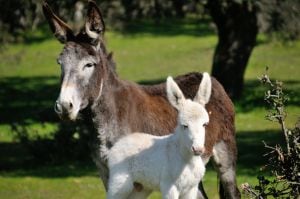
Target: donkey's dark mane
x,y
184,81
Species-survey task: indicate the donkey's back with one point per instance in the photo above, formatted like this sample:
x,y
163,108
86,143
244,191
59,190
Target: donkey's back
x,y
220,108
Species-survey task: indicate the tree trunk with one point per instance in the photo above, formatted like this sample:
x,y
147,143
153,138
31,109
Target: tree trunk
x,y
237,30
178,6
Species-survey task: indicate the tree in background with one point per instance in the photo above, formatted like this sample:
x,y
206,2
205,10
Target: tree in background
x,y
237,29
238,23
280,18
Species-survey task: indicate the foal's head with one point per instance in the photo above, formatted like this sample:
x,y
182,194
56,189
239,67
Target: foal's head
x,y
83,61
192,115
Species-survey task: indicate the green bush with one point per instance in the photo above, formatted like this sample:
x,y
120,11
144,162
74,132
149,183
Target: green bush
x,y
283,161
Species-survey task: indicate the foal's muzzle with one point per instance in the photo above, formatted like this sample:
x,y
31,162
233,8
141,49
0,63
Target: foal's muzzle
x,y
198,150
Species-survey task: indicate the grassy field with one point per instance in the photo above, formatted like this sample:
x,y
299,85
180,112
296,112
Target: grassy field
x,y
29,79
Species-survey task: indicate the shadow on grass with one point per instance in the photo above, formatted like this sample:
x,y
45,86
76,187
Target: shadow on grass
x,y
28,99
251,149
16,161
253,95
169,27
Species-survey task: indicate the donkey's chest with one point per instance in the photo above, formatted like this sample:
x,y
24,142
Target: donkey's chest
x,y
108,135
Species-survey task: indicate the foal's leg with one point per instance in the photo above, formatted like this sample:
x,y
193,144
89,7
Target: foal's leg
x,y
169,192
191,194
225,163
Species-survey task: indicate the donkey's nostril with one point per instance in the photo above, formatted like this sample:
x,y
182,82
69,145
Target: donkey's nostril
x,y
70,105
57,107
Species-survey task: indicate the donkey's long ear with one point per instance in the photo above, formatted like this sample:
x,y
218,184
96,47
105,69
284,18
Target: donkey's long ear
x,y
175,95
204,91
94,25
59,28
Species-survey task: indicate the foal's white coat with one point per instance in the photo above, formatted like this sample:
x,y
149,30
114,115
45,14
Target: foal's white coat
x,y
171,164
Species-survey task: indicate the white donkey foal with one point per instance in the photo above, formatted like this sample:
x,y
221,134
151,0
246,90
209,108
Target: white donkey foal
x,y
171,164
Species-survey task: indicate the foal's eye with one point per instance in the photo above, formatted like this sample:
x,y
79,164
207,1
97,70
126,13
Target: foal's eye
x,y
205,124
89,65
185,127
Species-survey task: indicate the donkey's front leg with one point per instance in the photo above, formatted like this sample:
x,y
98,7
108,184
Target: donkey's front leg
x,y
103,173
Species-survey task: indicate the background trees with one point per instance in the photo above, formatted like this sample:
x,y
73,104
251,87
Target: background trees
x,y
237,23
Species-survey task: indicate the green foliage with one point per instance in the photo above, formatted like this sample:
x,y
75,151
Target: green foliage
x,y
280,18
283,161
17,18
68,142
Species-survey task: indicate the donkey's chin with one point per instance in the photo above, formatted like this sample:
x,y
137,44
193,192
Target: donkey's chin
x,y
73,116
69,116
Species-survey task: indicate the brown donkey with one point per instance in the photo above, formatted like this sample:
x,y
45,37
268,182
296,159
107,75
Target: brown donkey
x,y
90,87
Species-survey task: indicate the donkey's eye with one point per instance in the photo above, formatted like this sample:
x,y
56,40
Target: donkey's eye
x,y
185,126
89,65
205,124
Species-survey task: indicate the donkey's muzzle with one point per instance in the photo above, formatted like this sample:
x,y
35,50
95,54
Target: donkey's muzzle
x,y
63,109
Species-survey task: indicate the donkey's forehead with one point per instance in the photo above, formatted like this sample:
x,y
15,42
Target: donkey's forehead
x,y
78,50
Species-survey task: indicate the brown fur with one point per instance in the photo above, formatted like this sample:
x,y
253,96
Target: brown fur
x,y
147,109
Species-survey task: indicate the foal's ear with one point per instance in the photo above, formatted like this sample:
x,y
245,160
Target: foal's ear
x,y
174,94
94,25
59,28
204,91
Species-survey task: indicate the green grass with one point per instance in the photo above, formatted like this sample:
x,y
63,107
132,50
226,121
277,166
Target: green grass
x,y
29,79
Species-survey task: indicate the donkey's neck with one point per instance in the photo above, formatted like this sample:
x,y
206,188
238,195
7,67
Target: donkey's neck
x,y
126,107
105,113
